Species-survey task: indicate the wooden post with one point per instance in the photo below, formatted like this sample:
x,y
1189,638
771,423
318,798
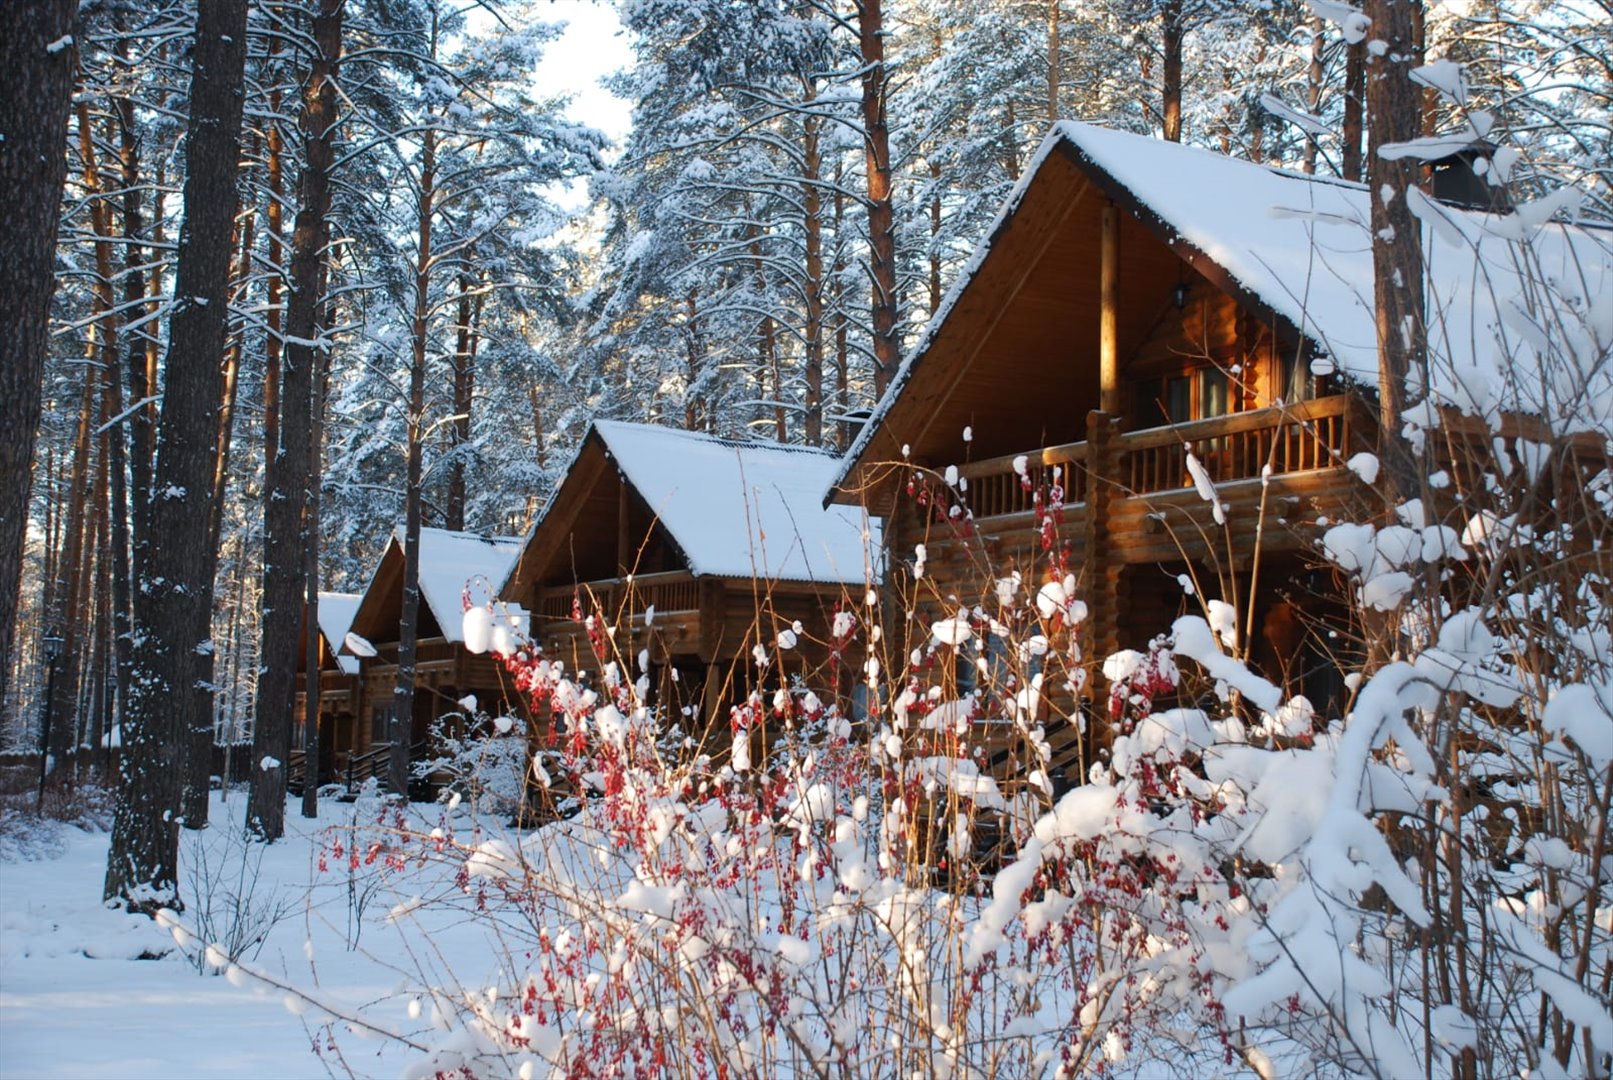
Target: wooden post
x,y
1108,316
624,543
1103,562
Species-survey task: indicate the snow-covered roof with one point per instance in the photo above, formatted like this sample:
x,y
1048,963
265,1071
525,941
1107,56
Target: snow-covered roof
x,y
1302,246
740,509
1299,246
449,561
336,611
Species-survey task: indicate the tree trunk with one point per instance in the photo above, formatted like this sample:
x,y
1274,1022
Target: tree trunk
x,y
881,213
174,605
274,167
74,616
63,615
136,343
1394,115
409,625
1171,69
1354,109
291,468
231,379
315,654
36,86
842,361
812,204
464,391
1054,48
695,358
1313,91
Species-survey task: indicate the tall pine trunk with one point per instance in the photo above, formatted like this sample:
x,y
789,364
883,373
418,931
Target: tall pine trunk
x,y
36,86
812,205
291,467
1394,115
174,604
403,690
468,314
881,211
314,657
1174,31
63,616
1355,68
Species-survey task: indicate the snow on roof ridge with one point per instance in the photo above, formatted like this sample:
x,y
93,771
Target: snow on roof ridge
x,y
755,508
720,440
457,534
444,575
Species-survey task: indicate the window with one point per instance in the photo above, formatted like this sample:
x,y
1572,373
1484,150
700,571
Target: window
x,y
1213,395
1299,382
380,717
1179,399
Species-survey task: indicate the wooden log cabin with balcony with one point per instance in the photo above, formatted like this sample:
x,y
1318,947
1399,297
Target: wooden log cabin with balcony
x,y
451,563
1136,305
1139,306
687,551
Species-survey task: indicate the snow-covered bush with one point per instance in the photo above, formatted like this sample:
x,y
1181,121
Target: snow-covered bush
x,y
478,757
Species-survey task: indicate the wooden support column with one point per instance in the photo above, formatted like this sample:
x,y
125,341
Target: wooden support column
x,y
1104,563
624,542
1108,312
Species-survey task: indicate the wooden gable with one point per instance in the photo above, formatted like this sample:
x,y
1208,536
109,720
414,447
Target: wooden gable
x,y
596,527
380,613
1016,357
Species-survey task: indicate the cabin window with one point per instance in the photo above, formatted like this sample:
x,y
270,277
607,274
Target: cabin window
x,y
1212,393
380,717
1181,399
1299,382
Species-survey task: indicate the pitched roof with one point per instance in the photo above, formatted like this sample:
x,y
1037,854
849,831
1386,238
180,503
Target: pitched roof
x,y
1297,249
336,611
449,563
732,509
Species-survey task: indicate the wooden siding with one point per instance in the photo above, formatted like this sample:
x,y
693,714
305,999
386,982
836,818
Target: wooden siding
x,y
1129,500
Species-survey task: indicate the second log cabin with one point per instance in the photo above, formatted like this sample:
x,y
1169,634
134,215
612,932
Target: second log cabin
x,y
674,554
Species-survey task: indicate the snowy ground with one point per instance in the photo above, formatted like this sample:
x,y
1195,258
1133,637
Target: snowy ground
x,y
81,995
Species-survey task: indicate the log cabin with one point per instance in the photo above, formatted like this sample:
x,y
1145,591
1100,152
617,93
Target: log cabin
x,y
339,691
679,552
452,566
1151,332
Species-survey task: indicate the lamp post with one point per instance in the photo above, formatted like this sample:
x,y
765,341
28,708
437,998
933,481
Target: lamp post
x,y
53,648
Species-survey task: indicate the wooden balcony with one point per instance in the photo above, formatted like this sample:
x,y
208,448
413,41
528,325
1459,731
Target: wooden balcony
x,y
1312,436
676,597
669,593
1129,498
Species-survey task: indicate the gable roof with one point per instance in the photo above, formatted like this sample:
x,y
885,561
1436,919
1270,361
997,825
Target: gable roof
x,y
448,562
732,509
336,611
1296,250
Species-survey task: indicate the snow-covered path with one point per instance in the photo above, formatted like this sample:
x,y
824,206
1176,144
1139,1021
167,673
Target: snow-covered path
x,y
77,1000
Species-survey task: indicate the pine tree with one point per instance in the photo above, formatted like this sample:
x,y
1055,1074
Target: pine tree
x,y
169,694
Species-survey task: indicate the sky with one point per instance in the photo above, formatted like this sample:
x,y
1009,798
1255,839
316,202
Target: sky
x,y
594,45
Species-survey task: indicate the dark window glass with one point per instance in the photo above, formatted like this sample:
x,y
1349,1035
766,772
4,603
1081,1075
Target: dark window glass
x,y
1150,407
1299,383
1179,399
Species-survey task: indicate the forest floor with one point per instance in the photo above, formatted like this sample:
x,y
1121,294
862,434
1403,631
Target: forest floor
x,y
87,991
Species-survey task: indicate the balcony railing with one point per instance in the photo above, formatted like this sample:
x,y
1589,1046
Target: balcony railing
x,y
1304,437
1008,485
669,592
